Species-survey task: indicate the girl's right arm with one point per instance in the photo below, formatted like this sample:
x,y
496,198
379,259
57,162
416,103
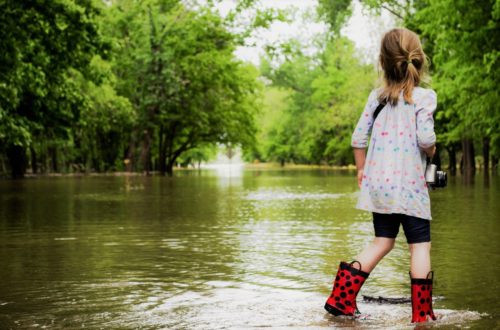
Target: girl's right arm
x,y
359,158
430,151
426,138
359,139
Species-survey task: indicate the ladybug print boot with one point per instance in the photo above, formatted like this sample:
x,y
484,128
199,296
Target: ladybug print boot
x,y
342,300
421,298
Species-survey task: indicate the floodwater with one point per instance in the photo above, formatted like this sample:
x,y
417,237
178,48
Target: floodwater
x,y
229,249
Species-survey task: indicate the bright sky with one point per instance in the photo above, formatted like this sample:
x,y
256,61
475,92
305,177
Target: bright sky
x,y
363,28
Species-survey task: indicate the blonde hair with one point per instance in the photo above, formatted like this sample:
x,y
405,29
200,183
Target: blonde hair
x,y
404,64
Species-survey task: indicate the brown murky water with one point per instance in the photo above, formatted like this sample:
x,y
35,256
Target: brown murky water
x,y
209,250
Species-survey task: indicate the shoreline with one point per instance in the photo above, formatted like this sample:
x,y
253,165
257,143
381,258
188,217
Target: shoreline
x,y
246,166
249,166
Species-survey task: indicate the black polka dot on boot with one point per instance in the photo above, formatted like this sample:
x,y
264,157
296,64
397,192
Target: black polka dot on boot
x,y
340,305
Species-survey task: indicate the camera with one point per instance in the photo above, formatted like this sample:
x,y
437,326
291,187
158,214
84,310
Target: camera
x,y
435,178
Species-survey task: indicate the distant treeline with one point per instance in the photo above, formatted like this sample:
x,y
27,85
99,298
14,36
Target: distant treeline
x,y
121,85
144,85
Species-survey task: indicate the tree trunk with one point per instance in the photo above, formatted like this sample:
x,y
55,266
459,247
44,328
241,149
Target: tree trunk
x,y
169,169
130,155
80,160
34,164
494,164
156,70
17,161
2,164
162,152
486,153
452,158
173,155
145,151
53,159
436,159
3,168
468,162
42,157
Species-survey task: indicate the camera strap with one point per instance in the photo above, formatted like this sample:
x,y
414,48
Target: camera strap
x,y
378,109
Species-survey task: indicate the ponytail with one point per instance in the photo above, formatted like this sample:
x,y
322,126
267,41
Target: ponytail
x,y
403,62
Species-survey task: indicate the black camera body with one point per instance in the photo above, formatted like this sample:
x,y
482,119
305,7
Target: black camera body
x,y
435,178
441,180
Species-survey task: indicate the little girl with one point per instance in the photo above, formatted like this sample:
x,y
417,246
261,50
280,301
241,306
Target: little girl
x,y
391,176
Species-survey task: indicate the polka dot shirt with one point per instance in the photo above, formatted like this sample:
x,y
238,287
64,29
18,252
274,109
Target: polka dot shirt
x,y
393,177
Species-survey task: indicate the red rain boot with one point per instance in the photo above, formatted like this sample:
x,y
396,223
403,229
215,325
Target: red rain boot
x,y
342,300
421,298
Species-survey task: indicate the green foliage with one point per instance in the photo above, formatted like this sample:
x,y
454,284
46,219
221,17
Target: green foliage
x,y
195,156
178,68
42,41
88,85
103,127
465,39
272,126
326,95
461,38
335,13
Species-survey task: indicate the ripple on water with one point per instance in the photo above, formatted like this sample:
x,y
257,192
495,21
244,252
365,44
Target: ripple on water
x,y
231,305
280,194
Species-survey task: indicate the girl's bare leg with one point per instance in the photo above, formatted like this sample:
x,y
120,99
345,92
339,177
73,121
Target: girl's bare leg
x,y
420,264
373,253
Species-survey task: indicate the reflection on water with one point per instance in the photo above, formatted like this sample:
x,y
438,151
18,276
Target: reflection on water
x,y
214,251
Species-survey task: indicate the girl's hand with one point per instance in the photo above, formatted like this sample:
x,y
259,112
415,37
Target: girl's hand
x,y
430,151
360,177
359,158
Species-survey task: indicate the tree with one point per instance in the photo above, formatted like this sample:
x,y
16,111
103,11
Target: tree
x,y
42,41
326,94
101,133
335,13
178,69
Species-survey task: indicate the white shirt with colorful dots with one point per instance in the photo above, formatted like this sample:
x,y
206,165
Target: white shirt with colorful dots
x,y
393,177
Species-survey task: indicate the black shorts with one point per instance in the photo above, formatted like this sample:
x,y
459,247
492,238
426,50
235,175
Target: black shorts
x,y
416,230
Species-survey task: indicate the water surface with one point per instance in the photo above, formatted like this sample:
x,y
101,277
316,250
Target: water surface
x,y
219,250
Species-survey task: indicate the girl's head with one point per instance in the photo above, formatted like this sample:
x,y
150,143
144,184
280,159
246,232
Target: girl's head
x,y
404,63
